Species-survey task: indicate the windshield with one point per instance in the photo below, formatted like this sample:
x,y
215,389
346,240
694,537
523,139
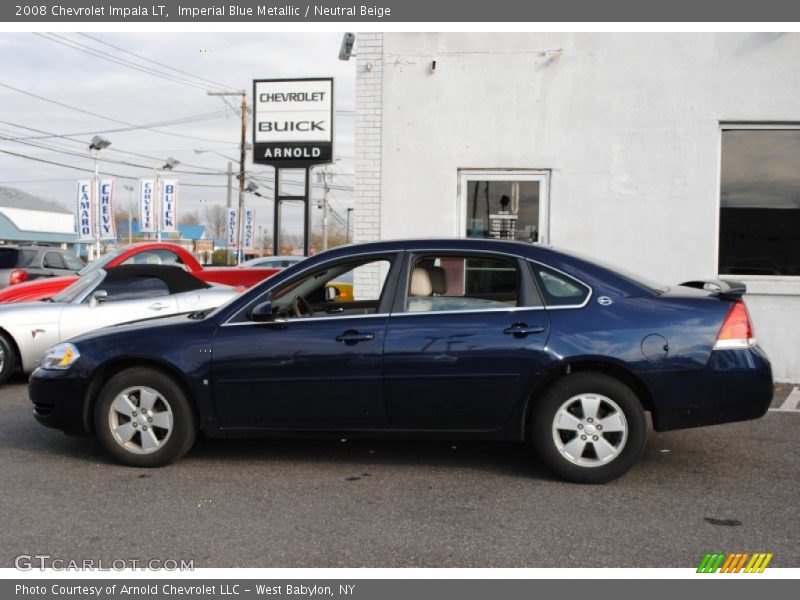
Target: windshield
x,y
80,288
101,262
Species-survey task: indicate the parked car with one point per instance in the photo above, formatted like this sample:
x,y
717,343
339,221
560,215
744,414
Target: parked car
x,y
157,253
467,339
273,262
101,298
26,263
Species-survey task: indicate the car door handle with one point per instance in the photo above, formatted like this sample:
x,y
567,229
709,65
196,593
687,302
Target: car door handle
x,y
522,329
353,337
158,306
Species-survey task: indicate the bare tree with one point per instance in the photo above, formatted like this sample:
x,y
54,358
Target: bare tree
x,y
191,218
216,218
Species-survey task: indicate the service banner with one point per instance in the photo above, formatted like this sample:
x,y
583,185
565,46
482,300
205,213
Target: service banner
x,y
108,227
84,211
231,228
147,206
169,205
249,239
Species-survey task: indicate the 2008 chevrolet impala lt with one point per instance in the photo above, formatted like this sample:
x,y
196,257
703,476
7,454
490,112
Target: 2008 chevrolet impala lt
x,y
468,339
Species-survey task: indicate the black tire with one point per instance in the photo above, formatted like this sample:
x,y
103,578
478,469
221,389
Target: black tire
x,y
176,441
9,358
563,393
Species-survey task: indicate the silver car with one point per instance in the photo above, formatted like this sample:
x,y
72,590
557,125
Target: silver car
x,y
99,299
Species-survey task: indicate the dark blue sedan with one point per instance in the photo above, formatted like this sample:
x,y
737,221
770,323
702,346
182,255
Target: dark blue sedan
x,y
467,339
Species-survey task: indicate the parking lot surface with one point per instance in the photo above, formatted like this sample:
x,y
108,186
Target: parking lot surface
x,y
269,503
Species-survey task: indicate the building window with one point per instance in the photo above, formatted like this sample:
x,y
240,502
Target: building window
x,y
760,202
504,204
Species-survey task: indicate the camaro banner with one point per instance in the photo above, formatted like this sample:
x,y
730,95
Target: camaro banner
x,y
231,228
108,228
248,241
147,206
85,211
169,205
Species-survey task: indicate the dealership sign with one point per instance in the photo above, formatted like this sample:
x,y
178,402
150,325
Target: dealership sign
x,y
231,228
169,205
85,211
147,206
108,229
293,122
88,211
248,241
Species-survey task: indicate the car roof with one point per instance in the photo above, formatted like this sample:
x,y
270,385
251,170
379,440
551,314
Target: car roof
x,y
176,278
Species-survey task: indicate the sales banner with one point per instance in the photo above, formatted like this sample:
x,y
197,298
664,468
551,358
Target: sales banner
x,y
108,227
147,206
84,211
169,205
231,228
249,236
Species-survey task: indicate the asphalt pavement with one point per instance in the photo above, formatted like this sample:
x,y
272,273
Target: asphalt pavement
x,y
268,503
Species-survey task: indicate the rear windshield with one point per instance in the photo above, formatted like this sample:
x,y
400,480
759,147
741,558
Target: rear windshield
x,y
8,258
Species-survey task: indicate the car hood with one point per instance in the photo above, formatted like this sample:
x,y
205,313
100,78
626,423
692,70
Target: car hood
x,y
19,313
36,289
136,327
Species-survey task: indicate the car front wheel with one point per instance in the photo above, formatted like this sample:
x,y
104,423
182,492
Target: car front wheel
x,y
589,428
144,418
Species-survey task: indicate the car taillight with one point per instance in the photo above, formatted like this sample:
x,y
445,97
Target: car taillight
x,y
17,276
736,330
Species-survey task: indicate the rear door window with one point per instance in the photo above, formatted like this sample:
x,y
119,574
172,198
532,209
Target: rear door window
x,y
53,260
453,283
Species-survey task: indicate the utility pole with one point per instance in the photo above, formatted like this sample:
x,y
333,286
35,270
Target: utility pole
x,y
326,176
130,213
349,210
242,156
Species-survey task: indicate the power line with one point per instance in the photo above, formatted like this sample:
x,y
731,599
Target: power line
x,y
72,44
107,118
155,62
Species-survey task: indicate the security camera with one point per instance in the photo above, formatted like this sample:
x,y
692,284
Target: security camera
x,y
346,51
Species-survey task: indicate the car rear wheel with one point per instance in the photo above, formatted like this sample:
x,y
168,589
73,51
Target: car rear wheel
x,y
589,428
144,418
8,359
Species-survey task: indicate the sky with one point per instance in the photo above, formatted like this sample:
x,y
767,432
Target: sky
x,y
113,81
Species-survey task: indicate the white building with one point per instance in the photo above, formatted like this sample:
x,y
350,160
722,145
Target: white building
x,y
673,155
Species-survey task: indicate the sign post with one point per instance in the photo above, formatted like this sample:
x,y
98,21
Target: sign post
x,y
293,129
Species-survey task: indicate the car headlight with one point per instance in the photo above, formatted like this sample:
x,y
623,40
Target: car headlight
x,y
60,357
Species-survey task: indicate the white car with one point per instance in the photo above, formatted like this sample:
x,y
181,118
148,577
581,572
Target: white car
x,y
266,262
99,299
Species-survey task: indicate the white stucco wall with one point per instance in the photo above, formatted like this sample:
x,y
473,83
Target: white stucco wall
x,y
628,125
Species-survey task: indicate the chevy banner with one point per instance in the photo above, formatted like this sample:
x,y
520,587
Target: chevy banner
x,y
108,228
85,211
147,206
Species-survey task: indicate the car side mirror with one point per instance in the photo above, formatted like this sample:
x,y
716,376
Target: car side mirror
x,y
262,313
99,297
332,293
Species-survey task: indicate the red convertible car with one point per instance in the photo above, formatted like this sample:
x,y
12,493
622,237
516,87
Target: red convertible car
x,y
161,253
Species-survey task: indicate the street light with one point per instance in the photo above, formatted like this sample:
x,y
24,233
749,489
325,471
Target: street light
x,y
167,166
96,147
